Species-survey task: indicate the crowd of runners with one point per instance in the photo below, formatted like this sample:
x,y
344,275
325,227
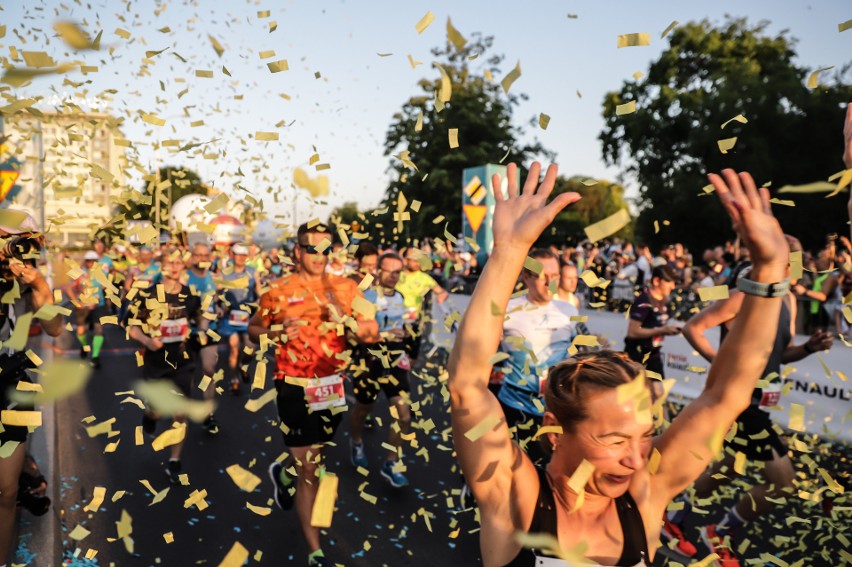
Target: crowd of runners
x,y
555,433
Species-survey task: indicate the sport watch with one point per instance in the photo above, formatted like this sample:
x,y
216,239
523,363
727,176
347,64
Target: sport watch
x,y
763,289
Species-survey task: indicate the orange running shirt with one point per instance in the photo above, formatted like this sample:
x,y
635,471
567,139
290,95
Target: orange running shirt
x,y
316,352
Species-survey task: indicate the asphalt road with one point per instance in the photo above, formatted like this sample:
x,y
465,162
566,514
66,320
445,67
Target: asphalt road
x,y
418,525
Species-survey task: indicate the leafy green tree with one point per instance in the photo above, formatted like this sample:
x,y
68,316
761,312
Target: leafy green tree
x,y
182,182
706,77
424,167
598,202
345,214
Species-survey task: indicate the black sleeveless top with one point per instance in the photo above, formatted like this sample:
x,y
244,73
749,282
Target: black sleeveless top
x,y
635,551
782,340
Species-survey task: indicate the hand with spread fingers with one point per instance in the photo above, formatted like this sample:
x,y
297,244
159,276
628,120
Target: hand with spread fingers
x,y
520,218
752,217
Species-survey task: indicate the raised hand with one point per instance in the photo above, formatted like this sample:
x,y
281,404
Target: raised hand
x,y
847,137
520,218
752,217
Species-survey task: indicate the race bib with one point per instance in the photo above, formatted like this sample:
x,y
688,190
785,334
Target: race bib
x,y
542,381
404,362
324,393
174,330
238,319
771,395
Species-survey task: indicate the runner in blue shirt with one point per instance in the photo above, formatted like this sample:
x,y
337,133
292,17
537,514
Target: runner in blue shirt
x,y
239,293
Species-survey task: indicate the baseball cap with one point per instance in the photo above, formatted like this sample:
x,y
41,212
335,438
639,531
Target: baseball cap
x,y
13,221
239,249
91,255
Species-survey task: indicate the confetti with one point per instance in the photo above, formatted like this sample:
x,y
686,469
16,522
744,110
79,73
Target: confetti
x,y
797,417
607,226
323,509
626,108
483,427
738,118
236,557
454,36
727,144
98,495
814,77
713,293
424,22
543,120
843,26
245,480
454,138
671,26
513,76
278,66
633,40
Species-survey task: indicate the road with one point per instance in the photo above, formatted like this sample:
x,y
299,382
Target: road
x,y
419,525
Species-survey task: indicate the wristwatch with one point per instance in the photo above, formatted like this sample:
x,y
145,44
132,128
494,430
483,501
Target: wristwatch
x,y
763,289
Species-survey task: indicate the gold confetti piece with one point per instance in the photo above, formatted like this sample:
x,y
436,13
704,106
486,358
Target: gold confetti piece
x,y
153,120
586,340
169,537
483,427
170,437
259,510
98,495
217,47
79,533
545,429
323,510
713,293
204,74
454,138
8,448
633,40
21,418
28,387
654,462
266,136
446,90
262,14
626,108
38,59
18,340
243,478
726,144
814,77
607,226
797,417
259,381
278,66
513,76
73,35
784,202
543,120
454,36
139,436
414,63
841,27
197,499
739,462
236,557
738,118
581,476
256,404
424,22
124,34
671,26
815,187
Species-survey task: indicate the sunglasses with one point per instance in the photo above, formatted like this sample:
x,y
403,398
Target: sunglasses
x,y
311,249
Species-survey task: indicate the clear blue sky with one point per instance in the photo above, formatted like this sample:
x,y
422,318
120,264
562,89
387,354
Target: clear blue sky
x,y
345,113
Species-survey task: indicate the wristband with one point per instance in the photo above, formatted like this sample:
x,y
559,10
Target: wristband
x,y
763,289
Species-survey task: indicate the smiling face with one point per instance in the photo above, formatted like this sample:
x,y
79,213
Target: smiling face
x,y
538,285
311,263
616,439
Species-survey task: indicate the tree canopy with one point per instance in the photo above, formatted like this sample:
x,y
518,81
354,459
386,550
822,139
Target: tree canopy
x,y
424,167
788,133
599,200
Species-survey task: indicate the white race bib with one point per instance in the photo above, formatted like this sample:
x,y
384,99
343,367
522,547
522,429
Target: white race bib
x,y
174,330
771,394
238,319
324,393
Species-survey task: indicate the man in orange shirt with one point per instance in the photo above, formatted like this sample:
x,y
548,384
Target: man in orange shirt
x,y
310,314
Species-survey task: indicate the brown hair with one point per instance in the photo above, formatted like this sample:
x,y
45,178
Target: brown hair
x,y
569,382
539,254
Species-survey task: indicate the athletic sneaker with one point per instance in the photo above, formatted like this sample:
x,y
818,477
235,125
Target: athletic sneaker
x,y
358,455
173,471
211,425
716,544
282,493
318,562
83,353
96,363
394,477
673,531
235,386
149,425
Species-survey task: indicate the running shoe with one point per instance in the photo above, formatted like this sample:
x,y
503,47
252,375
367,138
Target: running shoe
x,y
173,471
211,425
96,363
318,562
149,425
283,497
716,544
673,532
83,353
358,455
394,477
235,386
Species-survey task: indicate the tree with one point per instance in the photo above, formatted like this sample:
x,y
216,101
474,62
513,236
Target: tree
x,y
705,78
598,202
346,214
424,167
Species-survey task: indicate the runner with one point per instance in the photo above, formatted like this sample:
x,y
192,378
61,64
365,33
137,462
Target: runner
x,y
597,489
414,285
201,284
240,290
537,332
568,280
163,330
648,324
86,293
385,372
756,438
366,258
300,310
145,269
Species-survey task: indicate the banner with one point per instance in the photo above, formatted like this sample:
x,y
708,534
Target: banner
x,y
814,383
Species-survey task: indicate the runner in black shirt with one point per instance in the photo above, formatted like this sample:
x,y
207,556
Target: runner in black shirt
x,y
649,321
